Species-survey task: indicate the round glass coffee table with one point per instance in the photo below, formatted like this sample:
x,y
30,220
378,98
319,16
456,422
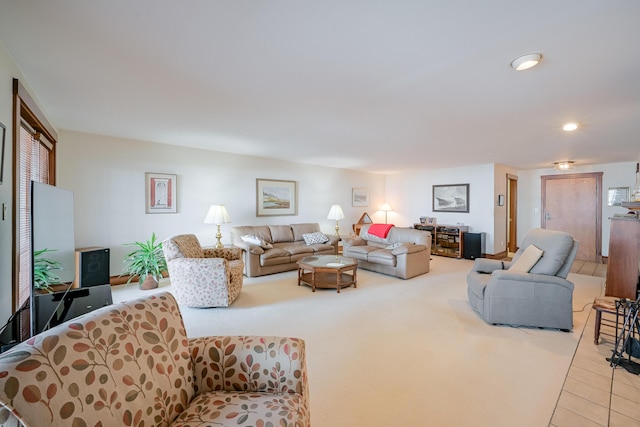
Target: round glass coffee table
x,y
327,271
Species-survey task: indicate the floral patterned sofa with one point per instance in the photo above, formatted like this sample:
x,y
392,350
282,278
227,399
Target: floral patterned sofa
x,y
131,364
202,277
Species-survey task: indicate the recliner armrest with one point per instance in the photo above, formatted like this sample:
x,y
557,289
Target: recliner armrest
x,y
486,265
524,278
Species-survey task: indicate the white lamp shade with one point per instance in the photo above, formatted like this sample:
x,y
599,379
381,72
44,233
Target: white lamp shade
x,y
335,212
386,207
217,215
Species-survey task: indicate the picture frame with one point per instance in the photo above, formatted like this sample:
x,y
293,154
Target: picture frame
x,y
451,198
617,195
276,197
160,193
359,197
3,130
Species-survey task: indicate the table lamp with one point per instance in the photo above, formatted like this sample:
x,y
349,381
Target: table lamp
x,y
217,215
336,213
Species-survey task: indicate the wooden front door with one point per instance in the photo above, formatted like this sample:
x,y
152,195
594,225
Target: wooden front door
x,y
573,203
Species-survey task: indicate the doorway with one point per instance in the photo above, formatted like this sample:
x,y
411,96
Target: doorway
x,y
573,203
512,214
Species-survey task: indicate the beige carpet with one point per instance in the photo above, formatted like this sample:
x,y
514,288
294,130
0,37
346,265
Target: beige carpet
x,y
405,352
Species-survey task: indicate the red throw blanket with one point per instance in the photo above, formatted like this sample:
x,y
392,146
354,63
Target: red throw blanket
x,y
380,230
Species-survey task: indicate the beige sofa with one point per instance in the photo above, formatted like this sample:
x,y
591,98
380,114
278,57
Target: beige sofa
x,y
131,364
404,252
279,247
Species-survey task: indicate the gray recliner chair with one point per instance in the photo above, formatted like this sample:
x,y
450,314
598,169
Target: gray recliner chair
x,y
541,297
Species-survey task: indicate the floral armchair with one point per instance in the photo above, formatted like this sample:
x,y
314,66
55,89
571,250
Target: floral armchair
x,y
131,364
202,277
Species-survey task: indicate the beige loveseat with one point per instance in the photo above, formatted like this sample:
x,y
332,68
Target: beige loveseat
x,y
131,364
404,252
278,247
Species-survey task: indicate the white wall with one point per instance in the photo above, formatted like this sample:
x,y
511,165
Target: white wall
x,y
107,176
530,197
410,195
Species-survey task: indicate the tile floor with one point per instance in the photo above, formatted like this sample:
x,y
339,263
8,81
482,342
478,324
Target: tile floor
x,y
594,393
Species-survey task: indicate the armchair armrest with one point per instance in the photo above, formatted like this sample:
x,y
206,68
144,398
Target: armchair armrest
x,y
249,363
229,254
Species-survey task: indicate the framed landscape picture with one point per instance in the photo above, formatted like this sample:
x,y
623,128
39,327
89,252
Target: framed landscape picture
x,y
160,193
451,198
360,197
276,197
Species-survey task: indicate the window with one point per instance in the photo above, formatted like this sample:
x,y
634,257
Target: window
x,y
34,152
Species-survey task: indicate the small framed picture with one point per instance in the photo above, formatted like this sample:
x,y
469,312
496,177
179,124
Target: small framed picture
x,y
360,197
161,192
617,195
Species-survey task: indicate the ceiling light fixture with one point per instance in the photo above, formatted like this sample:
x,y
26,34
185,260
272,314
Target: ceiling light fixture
x,y
570,127
526,61
564,166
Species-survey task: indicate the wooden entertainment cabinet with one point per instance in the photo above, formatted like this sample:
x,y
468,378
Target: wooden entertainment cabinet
x,y
446,240
624,258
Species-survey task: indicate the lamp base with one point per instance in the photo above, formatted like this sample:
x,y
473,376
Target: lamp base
x,y
218,237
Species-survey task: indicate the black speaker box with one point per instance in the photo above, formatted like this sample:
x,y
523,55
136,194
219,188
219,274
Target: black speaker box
x,y
92,266
472,245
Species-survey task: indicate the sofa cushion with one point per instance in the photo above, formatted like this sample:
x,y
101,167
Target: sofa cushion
x,y
300,229
297,248
317,237
290,411
382,256
281,233
276,252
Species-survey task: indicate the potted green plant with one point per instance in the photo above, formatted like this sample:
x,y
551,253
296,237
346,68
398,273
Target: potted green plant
x,y
146,262
44,268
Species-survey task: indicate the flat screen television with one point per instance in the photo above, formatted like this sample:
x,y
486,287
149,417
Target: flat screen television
x,y
58,307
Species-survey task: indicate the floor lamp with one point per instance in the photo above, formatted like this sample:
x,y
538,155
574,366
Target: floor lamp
x,y
386,208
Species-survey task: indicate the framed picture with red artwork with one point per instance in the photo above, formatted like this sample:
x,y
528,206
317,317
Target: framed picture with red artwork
x,y
161,192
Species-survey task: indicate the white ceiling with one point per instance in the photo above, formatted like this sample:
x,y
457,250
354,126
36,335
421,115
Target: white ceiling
x,y
380,86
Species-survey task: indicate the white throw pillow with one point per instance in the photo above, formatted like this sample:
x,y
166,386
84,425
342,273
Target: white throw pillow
x,y
527,259
256,241
313,238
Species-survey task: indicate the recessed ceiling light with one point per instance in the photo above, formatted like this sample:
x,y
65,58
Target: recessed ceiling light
x,y
526,61
569,127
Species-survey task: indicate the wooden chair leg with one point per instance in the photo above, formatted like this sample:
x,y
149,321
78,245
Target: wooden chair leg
x,y
596,334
